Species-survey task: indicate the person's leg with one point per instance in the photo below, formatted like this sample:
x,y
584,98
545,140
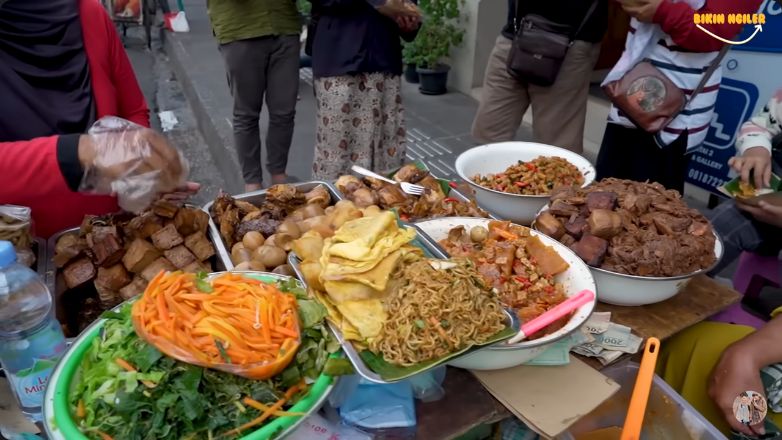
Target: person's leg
x,y
335,132
245,64
504,100
633,154
623,148
738,232
282,88
686,361
559,111
164,6
391,154
673,164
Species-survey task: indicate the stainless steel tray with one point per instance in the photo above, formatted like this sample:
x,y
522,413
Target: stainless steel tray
x,y
256,198
454,193
432,250
41,256
57,285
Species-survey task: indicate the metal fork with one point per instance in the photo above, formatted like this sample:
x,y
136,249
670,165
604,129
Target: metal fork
x,y
409,188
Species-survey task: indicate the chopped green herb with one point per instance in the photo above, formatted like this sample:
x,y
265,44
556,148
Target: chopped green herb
x,y
420,324
223,353
202,284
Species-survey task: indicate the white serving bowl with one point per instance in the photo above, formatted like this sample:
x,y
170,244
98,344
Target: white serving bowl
x,y
502,355
633,290
496,158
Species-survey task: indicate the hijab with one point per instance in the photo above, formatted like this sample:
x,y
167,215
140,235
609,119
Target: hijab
x,y
44,76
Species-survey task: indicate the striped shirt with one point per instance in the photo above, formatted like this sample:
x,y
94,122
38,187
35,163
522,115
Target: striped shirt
x,y
683,54
685,69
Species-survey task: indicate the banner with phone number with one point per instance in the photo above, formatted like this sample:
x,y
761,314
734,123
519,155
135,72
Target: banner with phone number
x,y
736,103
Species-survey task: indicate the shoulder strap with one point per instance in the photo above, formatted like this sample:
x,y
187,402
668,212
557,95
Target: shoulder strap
x,y
710,71
515,15
586,18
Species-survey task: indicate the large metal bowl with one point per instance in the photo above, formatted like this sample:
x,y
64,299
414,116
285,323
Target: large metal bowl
x,y
502,355
496,158
634,290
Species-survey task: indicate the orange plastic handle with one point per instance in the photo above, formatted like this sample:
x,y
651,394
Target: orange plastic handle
x,y
643,384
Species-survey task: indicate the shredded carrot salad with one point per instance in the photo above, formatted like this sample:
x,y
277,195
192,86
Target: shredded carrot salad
x,y
231,323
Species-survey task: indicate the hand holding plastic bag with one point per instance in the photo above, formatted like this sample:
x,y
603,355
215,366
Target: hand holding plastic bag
x,y
134,163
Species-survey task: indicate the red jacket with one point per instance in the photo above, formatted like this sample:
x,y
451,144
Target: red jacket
x,y
676,19
29,171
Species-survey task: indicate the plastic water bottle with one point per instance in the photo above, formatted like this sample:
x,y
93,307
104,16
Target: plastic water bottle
x,y
31,339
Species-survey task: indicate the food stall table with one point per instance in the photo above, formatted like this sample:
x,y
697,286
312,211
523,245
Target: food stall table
x,y
700,299
465,406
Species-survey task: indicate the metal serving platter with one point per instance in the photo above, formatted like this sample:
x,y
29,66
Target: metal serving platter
x,y
432,250
257,198
56,284
453,193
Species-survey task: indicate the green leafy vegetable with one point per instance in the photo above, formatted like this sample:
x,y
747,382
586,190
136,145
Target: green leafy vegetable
x,y
223,353
202,284
187,402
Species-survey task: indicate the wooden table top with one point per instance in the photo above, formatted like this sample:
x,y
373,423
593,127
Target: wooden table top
x,y
700,298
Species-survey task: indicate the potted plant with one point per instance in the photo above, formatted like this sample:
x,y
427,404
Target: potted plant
x,y
439,33
408,58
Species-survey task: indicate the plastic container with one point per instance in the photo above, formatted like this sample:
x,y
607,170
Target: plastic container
x,y
60,425
668,415
376,408
31,340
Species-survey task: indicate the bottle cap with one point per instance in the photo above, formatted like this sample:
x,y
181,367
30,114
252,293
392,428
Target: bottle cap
x,y
7,253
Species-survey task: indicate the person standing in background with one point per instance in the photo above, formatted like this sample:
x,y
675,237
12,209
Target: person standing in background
x,y
683,53
259,41
357,65
558,111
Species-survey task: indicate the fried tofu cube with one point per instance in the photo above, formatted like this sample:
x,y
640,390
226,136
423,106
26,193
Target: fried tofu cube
x,y
179,256
113,278
157,266
167,237
144,225
140,254
200,246
191,220
136,287
165,208
196,267
106,244
78,272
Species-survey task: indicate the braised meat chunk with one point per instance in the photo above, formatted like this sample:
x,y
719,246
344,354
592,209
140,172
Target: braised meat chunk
x,y
591,249
633,228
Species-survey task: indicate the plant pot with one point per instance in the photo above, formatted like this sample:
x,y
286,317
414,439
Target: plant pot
x,y
434,81
411,74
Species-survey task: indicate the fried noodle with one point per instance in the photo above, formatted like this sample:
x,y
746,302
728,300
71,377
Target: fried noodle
x,y
437,312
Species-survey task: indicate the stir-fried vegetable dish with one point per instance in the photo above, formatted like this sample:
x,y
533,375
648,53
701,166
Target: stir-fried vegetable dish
x,y
534,178
517,264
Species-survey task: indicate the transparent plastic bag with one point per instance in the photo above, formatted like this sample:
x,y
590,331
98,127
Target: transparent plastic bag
x,y
16,226
134,163
427,386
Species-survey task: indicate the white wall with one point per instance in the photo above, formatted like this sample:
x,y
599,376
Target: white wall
x,y
482,22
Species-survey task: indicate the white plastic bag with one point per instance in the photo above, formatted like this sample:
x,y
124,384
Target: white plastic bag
x,y
179,22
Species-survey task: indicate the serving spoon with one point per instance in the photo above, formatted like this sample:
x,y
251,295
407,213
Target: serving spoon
x,y
561,310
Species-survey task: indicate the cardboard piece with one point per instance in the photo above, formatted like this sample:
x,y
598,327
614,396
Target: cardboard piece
x,y
549,399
